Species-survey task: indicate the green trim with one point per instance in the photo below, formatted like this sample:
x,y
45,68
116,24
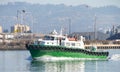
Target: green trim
x,y
58,51
38,53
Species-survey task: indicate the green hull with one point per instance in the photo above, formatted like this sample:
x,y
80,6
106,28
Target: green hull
x,y
57,52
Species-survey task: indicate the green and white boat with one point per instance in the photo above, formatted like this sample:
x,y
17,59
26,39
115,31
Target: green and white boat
x,y
60,46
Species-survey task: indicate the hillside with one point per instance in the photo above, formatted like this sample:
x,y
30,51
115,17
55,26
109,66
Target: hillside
x,y
45,18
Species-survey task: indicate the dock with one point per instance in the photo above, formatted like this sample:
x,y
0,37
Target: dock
x,y
107,46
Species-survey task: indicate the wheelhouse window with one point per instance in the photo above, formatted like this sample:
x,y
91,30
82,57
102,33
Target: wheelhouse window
x,y
67,44
63,38
73,44
59,38
48,38
77,44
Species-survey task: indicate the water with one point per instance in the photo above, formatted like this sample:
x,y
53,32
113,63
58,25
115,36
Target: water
x,y
20,61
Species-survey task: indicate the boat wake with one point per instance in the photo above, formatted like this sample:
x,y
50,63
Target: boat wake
x,y
51,58
115,57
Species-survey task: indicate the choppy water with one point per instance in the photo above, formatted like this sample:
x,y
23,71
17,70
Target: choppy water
x,y
20,61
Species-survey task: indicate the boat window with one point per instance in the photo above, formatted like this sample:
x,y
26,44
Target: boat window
x,y
47,42
73,44
77,44
42,42
48,38
63,38
38,42
56,38
52,43
59,38
51,38
67,44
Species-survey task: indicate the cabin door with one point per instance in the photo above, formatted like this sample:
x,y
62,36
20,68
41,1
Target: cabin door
x,y
60,41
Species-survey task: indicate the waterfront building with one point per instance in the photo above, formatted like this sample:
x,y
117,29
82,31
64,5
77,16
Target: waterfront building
x,y
20,28
6,37
90,35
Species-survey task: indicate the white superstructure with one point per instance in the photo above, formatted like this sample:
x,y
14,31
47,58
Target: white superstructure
x,y
60,40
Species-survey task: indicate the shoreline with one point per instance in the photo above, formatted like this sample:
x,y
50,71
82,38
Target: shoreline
x,y
11,49
22,47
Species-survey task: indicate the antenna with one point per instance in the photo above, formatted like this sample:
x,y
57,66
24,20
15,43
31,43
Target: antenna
x,y
17,17
69,25
61,31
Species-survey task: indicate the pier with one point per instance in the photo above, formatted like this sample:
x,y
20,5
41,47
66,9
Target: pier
x,y
108,46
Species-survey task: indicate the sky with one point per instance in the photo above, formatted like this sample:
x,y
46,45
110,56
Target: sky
x,y
92,3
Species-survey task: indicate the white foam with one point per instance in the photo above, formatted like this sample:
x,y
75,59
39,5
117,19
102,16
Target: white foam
x,y
115,57
51,58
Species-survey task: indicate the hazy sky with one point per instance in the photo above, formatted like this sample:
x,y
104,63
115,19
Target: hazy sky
x,y
93,3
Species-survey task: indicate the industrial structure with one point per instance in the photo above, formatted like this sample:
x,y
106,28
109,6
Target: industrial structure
x,y
20,28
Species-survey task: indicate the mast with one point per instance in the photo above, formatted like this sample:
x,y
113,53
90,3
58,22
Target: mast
x,y
95,35
69,25
95,29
